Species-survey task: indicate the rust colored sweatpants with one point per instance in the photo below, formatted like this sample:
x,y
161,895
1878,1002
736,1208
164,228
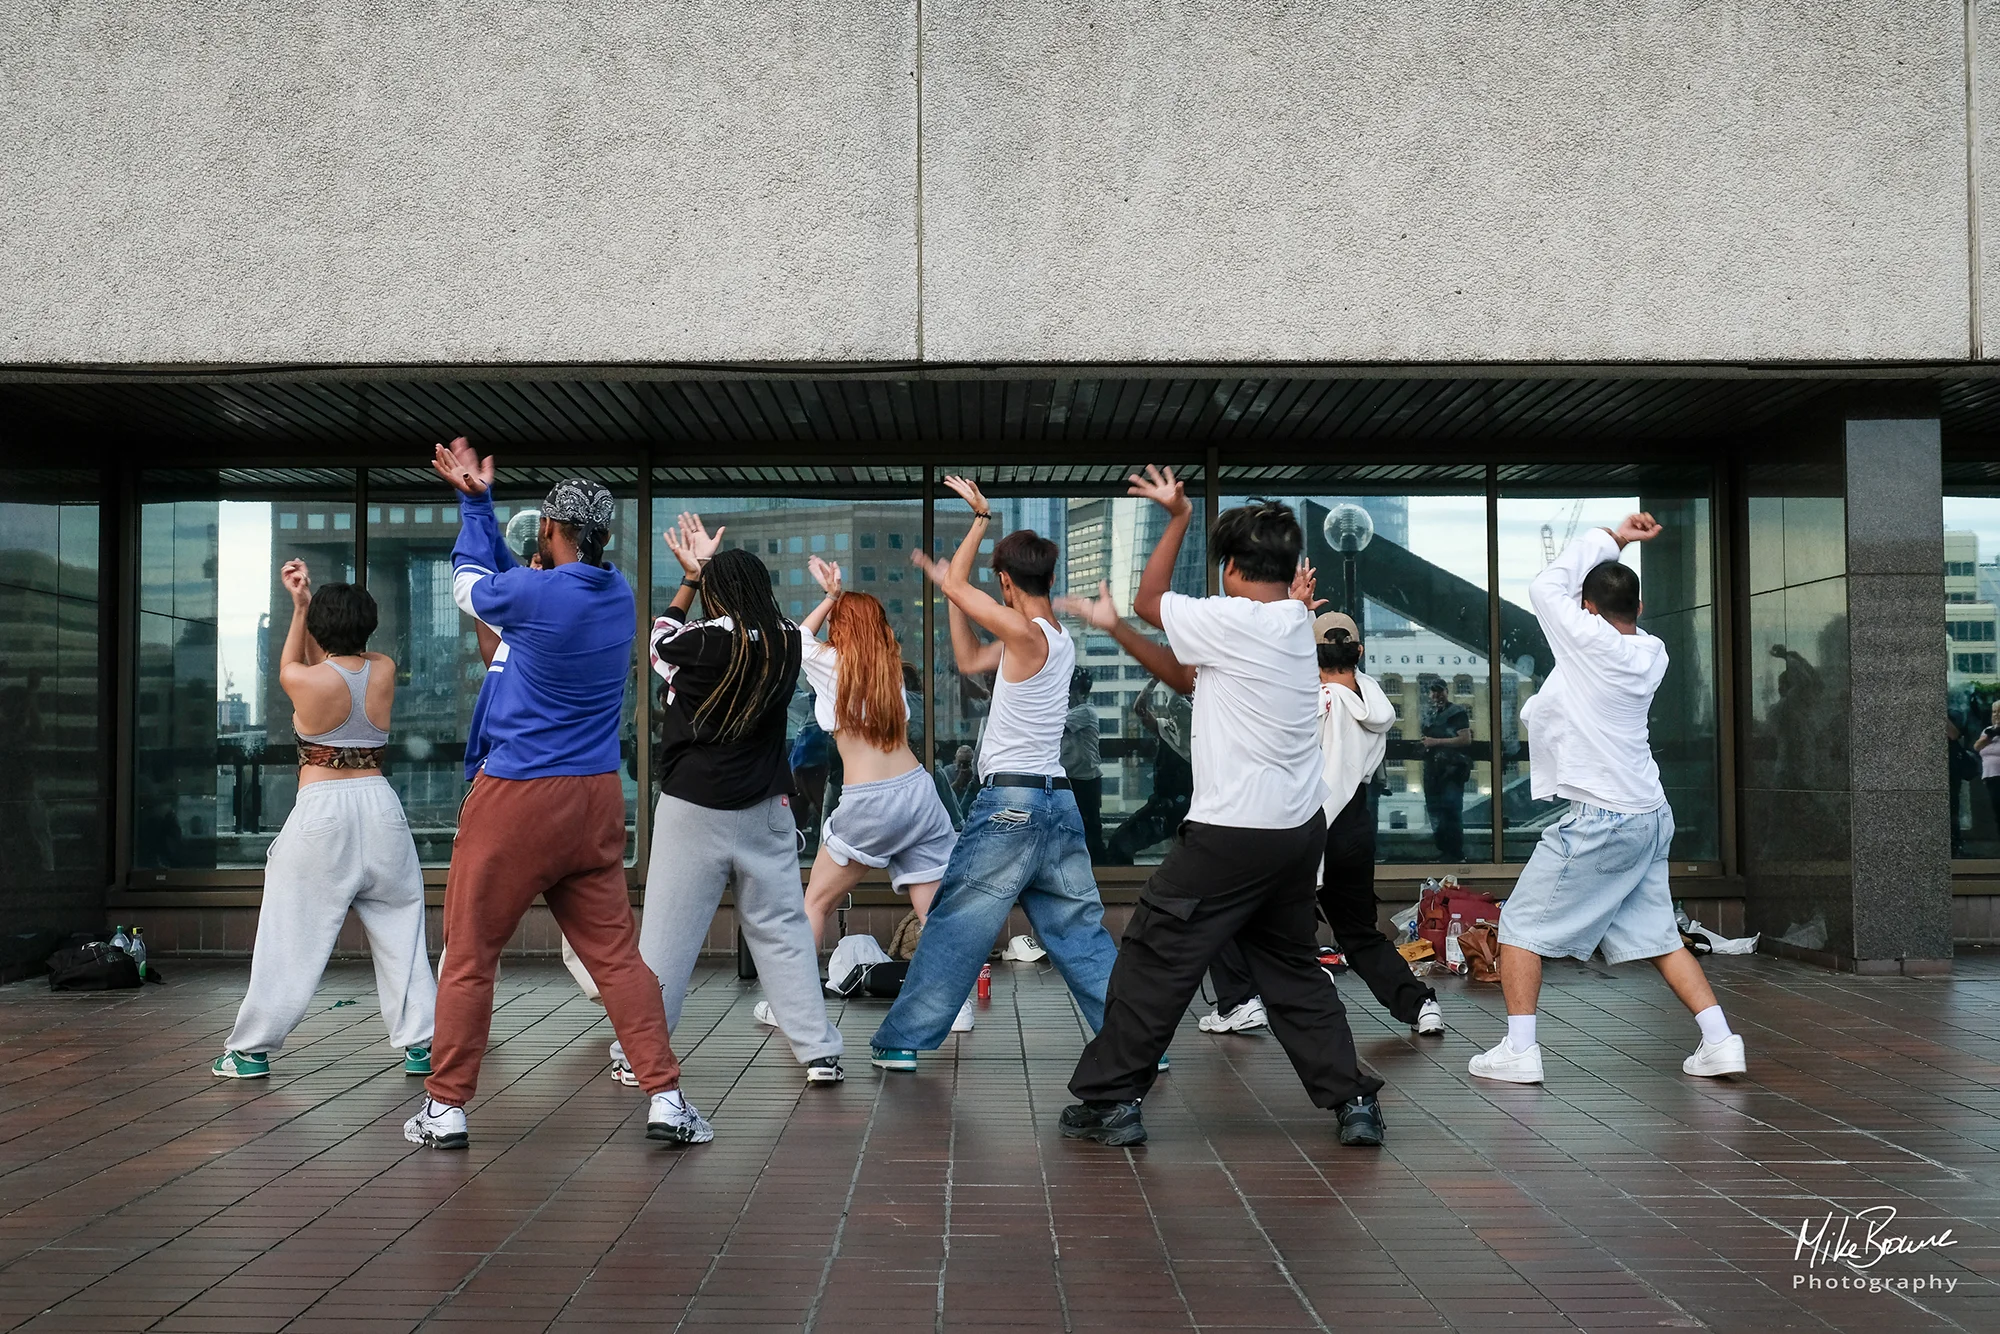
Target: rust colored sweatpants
x,y
562,838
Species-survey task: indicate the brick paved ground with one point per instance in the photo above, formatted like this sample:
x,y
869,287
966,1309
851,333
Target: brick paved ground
x,y
136,1192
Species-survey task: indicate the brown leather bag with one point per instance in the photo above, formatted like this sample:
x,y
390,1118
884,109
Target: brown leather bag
x,y
1481,944
903,945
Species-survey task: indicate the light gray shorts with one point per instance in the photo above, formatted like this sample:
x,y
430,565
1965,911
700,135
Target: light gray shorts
x,y
894,822
1597,878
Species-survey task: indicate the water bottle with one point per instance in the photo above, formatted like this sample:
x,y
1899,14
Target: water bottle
x,y
119,940
986,981
1454,953
137,949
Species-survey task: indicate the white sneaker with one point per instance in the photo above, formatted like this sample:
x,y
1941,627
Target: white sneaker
x,y
1506,1064
1430,1019
963,1023
621,1069
760,1013
1250,1014
1715,1059
675,1120
438,1126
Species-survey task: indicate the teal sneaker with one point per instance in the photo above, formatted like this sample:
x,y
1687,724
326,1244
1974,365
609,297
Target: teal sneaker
x,y
417,1061
241,1065
893,1058
1163,1066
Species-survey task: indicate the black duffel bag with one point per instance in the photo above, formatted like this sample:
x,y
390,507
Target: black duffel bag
x,y
95,966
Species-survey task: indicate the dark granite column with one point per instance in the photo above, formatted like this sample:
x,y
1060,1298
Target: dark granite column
x,y
1843,804
1900,842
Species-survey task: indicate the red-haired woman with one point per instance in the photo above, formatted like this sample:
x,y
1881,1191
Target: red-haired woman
x,y
889,813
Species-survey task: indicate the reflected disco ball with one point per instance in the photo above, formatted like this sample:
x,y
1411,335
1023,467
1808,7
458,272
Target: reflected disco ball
x,y
523,533
1348,528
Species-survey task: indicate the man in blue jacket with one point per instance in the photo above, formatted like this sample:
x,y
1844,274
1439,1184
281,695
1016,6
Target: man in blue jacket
x,y
546,814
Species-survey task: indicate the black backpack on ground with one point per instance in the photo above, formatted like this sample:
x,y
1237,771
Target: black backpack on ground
x,y
93,965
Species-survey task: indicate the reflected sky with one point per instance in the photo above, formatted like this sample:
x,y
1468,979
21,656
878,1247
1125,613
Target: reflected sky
x,y
243,596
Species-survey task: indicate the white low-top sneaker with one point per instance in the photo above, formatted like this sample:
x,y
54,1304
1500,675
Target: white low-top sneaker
x,y
674,1119
1430,1019
1715,1059
621,1069
963,1023
1504,1063
1250,1014
761,1013
438,1126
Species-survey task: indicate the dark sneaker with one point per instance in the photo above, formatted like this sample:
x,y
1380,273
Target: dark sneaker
x,y
824,1070
1113,1123
1361,1122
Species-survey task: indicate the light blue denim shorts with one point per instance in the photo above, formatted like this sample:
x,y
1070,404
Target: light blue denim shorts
x,y
895,822
1597,879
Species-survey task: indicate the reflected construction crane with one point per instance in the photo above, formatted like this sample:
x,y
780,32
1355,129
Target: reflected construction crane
x,y
1549,546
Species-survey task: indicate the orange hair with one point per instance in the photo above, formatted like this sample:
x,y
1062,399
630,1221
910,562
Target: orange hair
x,y
869,698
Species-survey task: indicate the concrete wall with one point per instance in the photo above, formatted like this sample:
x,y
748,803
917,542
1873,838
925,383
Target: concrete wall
x,y
349,181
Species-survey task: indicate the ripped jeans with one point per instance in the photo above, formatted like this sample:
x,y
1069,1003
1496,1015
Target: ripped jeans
x,y
1019,843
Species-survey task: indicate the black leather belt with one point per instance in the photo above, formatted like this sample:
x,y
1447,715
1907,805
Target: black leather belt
x,y
1045,782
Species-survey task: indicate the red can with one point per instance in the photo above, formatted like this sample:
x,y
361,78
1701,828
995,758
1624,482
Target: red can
x,y
986,981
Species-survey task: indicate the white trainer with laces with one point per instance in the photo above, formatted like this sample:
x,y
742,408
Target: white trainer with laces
x,y
761,1013
1430,1019
621,1069
1250,1014
1713,1060
438,1126
963,1023
674,1119
1510,1066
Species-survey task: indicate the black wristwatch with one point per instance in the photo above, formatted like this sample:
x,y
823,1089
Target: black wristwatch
x,y
689,581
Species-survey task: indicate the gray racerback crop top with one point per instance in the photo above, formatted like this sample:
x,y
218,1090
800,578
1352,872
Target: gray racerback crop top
x,y
356,732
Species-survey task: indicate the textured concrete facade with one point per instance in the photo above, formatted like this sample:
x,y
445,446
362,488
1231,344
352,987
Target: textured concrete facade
x,y
1109,180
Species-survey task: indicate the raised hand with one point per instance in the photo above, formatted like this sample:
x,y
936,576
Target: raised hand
x,y
1637,528
691,542
1160,486
1100,612
460,465
938,571
968,491
825,573
1304,584
297,581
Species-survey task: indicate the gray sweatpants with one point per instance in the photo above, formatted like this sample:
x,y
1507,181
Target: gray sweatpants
x,y
345,844
697,852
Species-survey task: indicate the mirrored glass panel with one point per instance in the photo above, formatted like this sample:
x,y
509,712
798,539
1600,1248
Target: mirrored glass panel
x,y
441,657
1410,567
1134,785
1972,672
215,769
1542,509
870,534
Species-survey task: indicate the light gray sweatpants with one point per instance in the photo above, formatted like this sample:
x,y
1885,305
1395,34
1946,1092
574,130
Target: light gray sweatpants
x,y
697,853
345,844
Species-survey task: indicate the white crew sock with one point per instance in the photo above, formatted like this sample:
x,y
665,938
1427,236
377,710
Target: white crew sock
x,y
1520,1031
674,1099
1714,1028
434,1108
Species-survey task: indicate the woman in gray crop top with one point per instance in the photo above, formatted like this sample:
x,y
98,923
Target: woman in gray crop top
x,y
346,843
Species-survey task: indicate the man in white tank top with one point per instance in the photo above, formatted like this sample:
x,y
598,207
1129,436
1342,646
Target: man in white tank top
x,y
1023,837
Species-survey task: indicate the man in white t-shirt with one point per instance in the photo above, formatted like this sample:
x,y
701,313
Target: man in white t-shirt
x,y
1598,878
1242,864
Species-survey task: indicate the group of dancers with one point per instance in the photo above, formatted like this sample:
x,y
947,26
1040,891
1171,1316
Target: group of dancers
x,y
1287,732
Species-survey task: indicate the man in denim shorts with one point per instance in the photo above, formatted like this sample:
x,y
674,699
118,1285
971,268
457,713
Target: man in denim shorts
x,y
1598,878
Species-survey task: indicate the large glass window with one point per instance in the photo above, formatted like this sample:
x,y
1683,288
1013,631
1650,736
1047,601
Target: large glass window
x,y
1540,510
412,523
1972,671
52,814
214,767
1144,779
1411,567
870,534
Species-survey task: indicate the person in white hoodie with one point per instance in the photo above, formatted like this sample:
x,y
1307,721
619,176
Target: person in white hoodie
x,y
1354,721
1598,878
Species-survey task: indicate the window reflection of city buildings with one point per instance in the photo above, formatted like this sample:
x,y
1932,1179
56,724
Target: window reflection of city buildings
x,y
1972,673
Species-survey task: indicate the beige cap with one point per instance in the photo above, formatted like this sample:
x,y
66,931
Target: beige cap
x,y
1328,622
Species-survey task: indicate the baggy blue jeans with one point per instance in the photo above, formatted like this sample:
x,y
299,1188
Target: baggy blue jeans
x,y
1019,843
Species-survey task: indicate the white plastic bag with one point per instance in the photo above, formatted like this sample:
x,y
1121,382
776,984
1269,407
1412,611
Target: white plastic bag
x,y
855,951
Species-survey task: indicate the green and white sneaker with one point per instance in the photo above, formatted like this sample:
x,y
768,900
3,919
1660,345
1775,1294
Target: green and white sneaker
x,y
241,1065
417,1061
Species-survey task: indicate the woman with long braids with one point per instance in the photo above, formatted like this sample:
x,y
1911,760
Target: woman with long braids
x,y
889,813
725,810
